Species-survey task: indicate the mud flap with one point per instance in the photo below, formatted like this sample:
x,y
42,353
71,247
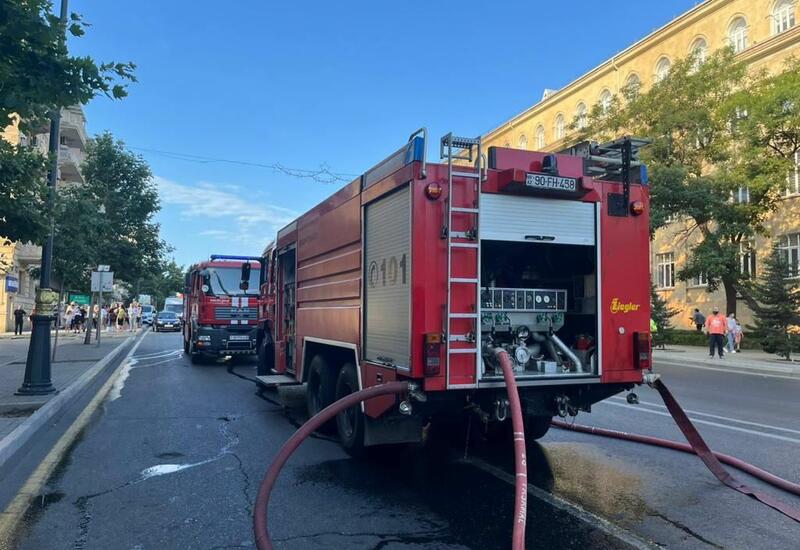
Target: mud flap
x,y
391,429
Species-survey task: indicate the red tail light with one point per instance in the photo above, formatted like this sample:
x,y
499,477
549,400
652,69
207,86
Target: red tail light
x,y
432,354
642,358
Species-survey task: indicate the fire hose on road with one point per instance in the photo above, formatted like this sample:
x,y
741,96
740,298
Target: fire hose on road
x,y
263,541
698,446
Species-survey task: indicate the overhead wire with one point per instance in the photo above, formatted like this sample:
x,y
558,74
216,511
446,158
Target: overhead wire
x,y
323,174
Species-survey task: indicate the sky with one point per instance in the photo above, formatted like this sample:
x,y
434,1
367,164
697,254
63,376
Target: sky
x,y
272,90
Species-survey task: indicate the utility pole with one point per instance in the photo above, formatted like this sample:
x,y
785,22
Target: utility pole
x,y
37,365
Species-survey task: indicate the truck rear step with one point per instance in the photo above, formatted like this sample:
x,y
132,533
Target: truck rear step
x,y
273,380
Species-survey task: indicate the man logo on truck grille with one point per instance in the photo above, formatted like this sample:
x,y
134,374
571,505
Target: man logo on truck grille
x,y
621,307
385,273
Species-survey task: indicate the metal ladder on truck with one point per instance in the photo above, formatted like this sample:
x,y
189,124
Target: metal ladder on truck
x,y
460,176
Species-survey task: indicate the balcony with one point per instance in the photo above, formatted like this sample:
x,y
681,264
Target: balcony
x,y
69,164
73,128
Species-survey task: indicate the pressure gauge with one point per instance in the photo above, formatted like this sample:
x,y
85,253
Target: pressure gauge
x,y
522,355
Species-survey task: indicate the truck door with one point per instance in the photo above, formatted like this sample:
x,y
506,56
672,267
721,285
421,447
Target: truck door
x,y
286,311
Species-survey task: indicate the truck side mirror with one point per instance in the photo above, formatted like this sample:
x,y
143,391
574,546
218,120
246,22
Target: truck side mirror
x,y
245,276
206,278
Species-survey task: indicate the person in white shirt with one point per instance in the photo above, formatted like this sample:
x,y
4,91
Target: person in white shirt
x,y
132,316
732,332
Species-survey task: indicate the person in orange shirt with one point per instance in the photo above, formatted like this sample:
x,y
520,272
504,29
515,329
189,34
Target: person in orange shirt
x,y
717,326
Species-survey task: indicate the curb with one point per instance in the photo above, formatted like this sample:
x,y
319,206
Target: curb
x,y
22,434
780,371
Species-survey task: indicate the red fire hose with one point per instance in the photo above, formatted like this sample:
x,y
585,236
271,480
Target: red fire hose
x,y
263,541
698,446
520,460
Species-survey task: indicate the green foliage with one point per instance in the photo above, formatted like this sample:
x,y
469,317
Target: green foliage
x,y
23,193
660,310
694,338
714,130
777,311
163,282
109,219
37,74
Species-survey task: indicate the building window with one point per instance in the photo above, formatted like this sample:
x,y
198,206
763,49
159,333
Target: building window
x,y
738,34
632,86
580,115
559,130
700,280
523,142
793,185
662,69
789,246
747,259
699,52
783,16
742,195
540,137
605,101
665,270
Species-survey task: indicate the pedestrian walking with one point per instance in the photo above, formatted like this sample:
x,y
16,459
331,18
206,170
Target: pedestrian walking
x,y
132,316
716,325
69,316
120,317
104,318
19,319
731,327
699,320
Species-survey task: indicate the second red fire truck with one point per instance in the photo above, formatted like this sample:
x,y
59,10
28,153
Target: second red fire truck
x,y
418,271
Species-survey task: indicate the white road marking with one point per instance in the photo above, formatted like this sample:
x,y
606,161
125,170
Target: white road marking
x,y
708,423
718,417
728,370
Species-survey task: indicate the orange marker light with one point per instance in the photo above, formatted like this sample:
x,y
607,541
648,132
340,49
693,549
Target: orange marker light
x,y
433,191
637,208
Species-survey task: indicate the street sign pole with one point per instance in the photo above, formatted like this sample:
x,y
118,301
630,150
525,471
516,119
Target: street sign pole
x,y
100,318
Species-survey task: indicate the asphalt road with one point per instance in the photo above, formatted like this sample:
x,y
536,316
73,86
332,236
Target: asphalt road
x,y
174,457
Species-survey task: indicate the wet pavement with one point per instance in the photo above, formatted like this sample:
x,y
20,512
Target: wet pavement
x,y
174,457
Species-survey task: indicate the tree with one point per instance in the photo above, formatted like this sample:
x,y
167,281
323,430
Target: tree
x,y
37,74
109,219
22,193
163,282
661,314
702,119
777,312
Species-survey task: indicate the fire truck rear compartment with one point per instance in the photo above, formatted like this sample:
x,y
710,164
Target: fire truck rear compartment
x,y
539,303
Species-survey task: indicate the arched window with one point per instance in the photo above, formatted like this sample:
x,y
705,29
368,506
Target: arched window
x,y
559,128
782,16
737,34
540,137
662,69
580,115
632,86
523,142
605,100
699,51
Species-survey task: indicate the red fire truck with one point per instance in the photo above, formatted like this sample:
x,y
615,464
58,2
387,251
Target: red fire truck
x,y
221,307
418,271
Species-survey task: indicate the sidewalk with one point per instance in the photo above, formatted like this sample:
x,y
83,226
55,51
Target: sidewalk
x,y
73,358
746,360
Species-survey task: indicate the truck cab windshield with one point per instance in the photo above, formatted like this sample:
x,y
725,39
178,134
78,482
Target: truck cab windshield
x,y
225,280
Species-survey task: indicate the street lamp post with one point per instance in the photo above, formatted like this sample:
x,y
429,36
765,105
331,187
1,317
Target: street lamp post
x,y
37,366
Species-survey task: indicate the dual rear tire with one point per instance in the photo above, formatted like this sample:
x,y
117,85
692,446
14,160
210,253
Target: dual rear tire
x,y
327,385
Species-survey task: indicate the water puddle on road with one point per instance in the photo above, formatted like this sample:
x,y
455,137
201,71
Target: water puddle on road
x,y
140,361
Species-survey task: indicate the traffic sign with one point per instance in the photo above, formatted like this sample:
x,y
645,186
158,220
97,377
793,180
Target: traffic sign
x,y
79,299
102,281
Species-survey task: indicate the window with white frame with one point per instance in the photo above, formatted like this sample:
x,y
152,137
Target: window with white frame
x,y
605,101
559,129
580,115
632,86
742,195
665,270
737,34
662,69
523,142
793,185
783,16
700,280
699,51
747,259
789,246
540,137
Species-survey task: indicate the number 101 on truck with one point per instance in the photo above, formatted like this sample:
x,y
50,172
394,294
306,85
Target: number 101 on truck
x,y
421,272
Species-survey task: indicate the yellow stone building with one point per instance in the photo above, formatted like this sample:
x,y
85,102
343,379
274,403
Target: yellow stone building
x,y
764,34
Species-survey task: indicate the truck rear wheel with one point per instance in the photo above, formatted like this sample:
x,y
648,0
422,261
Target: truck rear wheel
x,y
194,357
350,422
321,388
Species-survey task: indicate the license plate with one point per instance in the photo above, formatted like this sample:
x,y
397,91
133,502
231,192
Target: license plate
x,y
239,337
554,183
168,326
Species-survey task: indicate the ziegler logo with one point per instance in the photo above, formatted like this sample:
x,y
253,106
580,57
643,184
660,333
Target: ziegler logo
x,y
620,307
